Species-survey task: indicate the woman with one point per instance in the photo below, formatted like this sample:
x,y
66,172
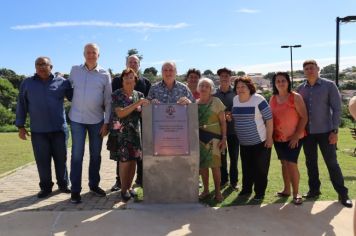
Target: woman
x,y
289,120
193,76
254,127
212,136
125,127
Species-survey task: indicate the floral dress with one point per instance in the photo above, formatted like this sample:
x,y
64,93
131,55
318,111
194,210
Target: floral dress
x,y
210,133
127,130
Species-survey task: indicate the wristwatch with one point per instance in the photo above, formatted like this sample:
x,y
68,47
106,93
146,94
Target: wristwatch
x,y
335,131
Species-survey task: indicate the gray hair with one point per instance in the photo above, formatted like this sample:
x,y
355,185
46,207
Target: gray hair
x,y
210,82
94,45
172,63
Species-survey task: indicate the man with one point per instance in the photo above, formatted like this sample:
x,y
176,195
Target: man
x,y
322,99
226,95
90,112
169,90
42,97
143,85
193,76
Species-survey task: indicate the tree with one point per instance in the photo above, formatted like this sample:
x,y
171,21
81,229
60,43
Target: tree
x,y
208,72
241,73
329,72
134,51
11,76
150,70
8,94
6,116
269,76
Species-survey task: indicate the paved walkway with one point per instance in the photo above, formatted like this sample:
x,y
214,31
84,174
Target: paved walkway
x,y
22,213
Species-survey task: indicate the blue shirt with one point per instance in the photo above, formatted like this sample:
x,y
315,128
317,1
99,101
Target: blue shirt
x,y
160,92
227,98
43,101
91,95
323,104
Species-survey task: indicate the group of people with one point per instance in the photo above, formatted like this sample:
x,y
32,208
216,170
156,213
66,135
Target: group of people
x,y
230,118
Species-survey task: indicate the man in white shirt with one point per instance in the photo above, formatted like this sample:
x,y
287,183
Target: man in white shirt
x,y
90,112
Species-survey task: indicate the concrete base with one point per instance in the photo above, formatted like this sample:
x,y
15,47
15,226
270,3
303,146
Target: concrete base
x,y
171,179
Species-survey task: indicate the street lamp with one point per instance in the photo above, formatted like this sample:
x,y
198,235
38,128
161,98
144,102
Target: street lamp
x,y
338,20
291,58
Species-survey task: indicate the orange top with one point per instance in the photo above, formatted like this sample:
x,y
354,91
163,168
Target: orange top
x,y
285,118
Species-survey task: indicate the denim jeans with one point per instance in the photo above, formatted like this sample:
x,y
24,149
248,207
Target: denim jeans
x,y
79,131
45,147
328,152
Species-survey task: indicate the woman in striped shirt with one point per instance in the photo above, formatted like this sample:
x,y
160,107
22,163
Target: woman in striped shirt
x,y
253,126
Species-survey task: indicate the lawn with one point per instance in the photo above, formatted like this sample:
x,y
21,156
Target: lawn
x,y
15,153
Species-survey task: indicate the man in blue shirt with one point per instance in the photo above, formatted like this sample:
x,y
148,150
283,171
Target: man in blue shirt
x,y
323,103
226,95
42,96
90,112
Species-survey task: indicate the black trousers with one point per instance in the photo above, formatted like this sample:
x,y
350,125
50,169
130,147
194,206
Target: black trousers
x,y
233,148
255,160
329,154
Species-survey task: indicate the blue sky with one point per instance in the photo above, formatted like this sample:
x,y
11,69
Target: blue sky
x,y
239,34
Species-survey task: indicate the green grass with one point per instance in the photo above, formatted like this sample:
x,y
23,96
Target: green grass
x,y
14,152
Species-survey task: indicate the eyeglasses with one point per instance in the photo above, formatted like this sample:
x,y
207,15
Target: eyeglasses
x,y
42,64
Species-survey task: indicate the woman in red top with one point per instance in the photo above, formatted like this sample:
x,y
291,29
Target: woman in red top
x,y
289,120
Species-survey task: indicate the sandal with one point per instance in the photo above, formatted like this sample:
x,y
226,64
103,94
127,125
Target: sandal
x,y
203,195
282,194
298,200
219,198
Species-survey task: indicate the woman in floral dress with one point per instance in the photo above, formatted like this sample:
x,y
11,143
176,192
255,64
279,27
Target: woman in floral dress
x,y
125,126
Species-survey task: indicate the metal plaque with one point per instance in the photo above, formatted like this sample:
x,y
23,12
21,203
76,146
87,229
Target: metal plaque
x,y
170,130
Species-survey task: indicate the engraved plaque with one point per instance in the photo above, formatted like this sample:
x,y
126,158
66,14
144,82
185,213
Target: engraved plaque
x,y
170,130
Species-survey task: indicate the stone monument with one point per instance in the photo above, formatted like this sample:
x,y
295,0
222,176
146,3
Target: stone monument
x,y
170,153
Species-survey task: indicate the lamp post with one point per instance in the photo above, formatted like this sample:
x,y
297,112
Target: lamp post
x,y
338,20
291,58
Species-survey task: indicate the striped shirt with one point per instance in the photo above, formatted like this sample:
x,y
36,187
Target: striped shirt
x,y
249,118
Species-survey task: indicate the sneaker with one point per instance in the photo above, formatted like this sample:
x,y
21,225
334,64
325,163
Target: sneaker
x,y
75,198
64,189
258,197
98,191
312,194
133,193
116,187
125,196
44,193
346,201
234,187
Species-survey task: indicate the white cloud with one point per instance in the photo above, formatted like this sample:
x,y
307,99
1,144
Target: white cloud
x,y
93,23
248,11
213,45
193,41
297,65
